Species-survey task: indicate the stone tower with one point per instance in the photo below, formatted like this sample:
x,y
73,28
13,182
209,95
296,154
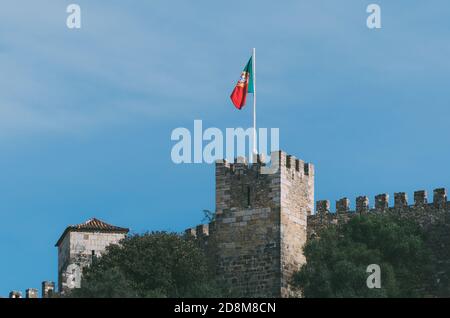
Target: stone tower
x,y
79,245
260,226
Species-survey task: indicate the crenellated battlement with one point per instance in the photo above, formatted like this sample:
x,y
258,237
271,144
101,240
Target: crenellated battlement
x,y
200,231
297,165
420,210
279,161
259,184
381,202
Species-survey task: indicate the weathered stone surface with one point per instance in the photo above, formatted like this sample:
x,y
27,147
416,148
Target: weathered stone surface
x,y
31,293
48,289
400,200
342,205
382,202
440,198
15,294
420,198
362,204
323,206
425,214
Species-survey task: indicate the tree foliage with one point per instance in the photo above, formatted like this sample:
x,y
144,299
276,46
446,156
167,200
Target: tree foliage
x,y
338,259
156,264
438,238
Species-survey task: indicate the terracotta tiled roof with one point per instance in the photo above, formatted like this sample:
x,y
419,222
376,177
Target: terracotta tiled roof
x,y
96,224
92,225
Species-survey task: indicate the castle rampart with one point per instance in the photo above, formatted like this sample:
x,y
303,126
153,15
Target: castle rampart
x,y
421,211
263,218
263,221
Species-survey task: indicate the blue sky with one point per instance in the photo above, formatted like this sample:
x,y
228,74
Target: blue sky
x,y
86,115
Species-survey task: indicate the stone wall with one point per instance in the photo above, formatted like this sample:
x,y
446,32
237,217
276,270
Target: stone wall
x,y
31,293
48,289
433,218
297,202
421,211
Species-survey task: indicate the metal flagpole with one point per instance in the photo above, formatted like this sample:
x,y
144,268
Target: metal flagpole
x,y
255,149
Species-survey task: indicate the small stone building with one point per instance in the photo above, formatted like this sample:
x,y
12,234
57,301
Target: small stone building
x,y
79,245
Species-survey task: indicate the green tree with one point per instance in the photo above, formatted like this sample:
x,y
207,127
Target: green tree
x,y
156,264
337,260
438,239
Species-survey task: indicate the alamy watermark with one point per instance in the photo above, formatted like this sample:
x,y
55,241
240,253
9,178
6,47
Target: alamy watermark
x,y
374,19
73,21
211,144
374,279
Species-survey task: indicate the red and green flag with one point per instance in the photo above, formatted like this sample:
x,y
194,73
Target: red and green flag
x,y
243,86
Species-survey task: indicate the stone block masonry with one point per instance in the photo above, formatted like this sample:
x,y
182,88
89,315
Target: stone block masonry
x,y
422,212
31,293
15,294
48,289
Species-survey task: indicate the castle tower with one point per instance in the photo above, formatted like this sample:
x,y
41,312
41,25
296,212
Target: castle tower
x,y
79,245
260,226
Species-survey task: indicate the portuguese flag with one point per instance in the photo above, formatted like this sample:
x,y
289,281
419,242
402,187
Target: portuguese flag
x,y
243,86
